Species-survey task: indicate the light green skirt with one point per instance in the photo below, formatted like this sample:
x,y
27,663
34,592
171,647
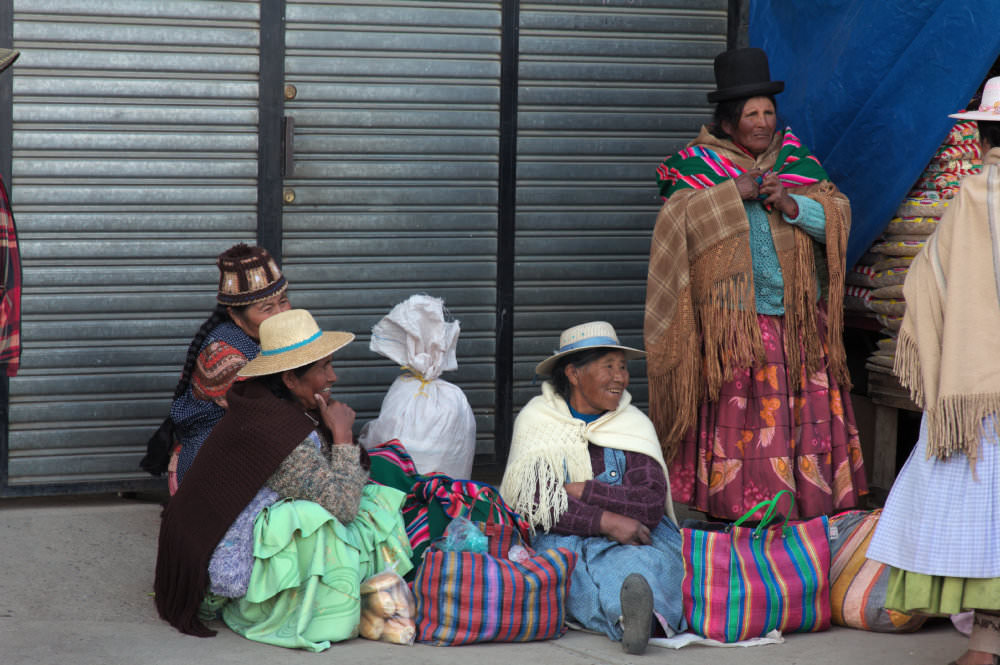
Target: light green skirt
x,y
932,594
308,567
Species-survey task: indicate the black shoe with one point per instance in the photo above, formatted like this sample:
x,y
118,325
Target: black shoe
x,y
637,613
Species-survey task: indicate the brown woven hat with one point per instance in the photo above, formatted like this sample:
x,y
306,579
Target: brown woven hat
x,y
292,339
248,275
7,57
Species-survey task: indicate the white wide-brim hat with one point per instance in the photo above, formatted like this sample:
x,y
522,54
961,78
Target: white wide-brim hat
x,y
292,339
989,107
592,335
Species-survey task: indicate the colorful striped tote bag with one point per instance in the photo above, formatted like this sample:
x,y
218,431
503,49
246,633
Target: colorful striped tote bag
x,y
468,597
742,582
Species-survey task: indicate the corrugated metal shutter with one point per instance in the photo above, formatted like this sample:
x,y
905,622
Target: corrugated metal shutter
x,y
606,90
134,165
395,184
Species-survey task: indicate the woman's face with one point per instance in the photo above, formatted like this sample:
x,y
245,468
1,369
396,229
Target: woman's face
x,y
598,386
756,126
319,378
249,319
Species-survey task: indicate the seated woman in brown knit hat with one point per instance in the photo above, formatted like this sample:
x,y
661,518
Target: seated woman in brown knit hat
x,y
276,517
251,289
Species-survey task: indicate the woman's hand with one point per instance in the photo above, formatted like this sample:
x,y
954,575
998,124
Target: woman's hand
x,y
746,184
575,490
777,196
338,417
624,530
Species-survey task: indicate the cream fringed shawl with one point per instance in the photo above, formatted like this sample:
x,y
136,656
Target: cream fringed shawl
x,y
948,354
701,320
549,449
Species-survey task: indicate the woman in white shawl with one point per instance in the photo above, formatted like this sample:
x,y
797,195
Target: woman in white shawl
x,y
585,467
940,530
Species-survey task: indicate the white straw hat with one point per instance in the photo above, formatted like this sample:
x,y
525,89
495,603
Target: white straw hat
x,y
7,57
989,107
292,339
592,335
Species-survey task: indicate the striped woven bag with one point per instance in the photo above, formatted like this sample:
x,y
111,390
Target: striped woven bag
x,y
469,597
742,582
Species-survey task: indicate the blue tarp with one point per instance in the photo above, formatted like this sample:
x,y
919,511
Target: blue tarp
x,y
869,86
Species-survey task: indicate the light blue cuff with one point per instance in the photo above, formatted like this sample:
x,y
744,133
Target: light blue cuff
x,y
811,219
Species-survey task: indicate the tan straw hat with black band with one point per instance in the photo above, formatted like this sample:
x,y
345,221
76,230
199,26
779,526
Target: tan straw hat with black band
x,y
592,335
292,339
7,57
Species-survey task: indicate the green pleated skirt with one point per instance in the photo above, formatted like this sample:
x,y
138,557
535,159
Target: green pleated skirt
x,y
936,595
304,589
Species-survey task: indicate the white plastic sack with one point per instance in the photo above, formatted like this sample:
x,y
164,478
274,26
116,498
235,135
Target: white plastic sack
x,y
430,416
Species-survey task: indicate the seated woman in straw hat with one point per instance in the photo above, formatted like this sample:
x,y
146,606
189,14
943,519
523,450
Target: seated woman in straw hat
x,y
585,467
276,517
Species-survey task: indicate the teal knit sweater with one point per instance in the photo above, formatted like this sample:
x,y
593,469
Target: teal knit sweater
x,y
769,285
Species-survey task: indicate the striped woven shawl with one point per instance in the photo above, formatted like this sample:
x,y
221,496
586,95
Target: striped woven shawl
x,y
701,320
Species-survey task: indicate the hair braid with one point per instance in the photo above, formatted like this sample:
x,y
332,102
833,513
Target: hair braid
x,y
219,315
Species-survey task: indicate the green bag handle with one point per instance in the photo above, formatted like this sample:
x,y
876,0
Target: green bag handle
x,y
771,504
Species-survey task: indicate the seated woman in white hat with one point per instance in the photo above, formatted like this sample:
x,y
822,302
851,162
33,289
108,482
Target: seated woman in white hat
x,y
276,517
585,467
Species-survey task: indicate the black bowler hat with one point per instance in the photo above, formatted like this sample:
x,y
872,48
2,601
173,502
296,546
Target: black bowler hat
x,y
742,73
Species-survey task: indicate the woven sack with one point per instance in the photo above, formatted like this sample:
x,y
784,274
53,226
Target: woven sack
x,y
893,292
898,246
888,262
890,322
860,276
857,299
890,306
887,345
889,277
857,584
922,208
917,226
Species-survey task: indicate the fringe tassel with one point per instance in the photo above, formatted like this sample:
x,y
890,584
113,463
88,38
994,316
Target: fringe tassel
x,y
836,250
955,425
906,366
729,331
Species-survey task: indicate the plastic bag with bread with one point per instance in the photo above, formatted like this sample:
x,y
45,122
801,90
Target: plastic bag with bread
x,y
387,609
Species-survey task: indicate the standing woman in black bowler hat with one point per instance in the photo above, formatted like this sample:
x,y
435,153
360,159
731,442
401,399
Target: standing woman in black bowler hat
x,y
748,381
251,289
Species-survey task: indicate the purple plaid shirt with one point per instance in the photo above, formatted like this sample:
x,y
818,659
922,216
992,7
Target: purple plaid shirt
x,y
641,496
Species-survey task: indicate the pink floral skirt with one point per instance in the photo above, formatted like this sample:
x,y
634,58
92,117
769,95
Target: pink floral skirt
x,y
763,436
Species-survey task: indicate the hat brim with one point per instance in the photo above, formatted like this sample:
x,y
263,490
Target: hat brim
x,y
7,57
746,91
544,368
318,349
977,115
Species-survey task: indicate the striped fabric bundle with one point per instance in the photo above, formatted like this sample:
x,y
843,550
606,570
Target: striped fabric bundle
x,y
698,167
433,500
469,597
858,585
742,582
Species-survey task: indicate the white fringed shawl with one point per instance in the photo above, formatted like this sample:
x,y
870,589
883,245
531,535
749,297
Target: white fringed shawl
x,y
549,449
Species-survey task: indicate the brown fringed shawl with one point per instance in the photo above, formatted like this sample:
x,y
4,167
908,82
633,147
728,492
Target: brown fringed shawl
x,y
257,433
701,318
949,343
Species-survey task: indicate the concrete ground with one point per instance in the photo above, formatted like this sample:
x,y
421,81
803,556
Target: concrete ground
x,y
76,575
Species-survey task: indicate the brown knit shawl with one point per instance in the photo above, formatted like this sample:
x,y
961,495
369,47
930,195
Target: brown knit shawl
x,y
242,452
701,319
